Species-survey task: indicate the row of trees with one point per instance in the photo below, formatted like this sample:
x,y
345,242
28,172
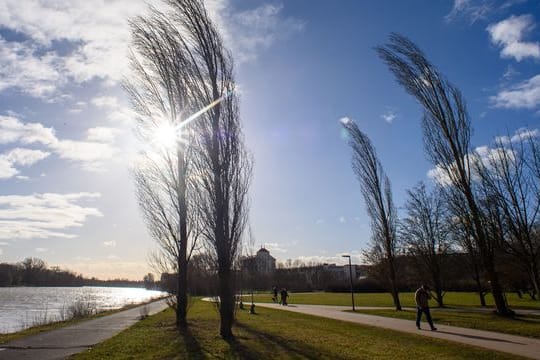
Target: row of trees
x,y
35,272
486,201
193,180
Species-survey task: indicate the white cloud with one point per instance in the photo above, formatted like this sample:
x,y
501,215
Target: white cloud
x,y
519,135
473,10
18,156
102,134
113,257
13,130
23,66
90,152
96,36
356,258
111,243
105,102
342,220
509,34
44,215
319,221
275,247
486,154
389,116
250,32
525,94
41,250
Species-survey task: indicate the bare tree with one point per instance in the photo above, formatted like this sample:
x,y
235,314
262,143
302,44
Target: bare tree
x,y
377,194
221,162
159,89
192,74
425,234
447,130
509,185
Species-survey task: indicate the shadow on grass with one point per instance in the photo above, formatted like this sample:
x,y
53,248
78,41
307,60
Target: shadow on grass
x,y
193,347
255,344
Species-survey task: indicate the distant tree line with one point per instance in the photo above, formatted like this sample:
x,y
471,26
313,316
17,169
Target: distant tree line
x,y
35,272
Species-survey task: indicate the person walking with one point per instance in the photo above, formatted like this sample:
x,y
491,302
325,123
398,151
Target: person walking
x,y
284,296
422,297
275,293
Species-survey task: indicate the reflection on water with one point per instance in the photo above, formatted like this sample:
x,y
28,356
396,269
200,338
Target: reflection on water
x,y
21,307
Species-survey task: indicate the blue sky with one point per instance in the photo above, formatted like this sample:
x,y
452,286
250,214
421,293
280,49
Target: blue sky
x,y
66,144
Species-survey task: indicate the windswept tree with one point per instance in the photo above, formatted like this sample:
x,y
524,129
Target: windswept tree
x,y
447,132
425,234
187,80
377,194
221,164
162,99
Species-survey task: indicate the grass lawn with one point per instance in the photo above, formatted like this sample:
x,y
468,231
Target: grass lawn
x,y
273,334
451,299
520,325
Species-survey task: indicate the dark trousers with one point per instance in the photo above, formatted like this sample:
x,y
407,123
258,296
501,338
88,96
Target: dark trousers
x,y
419,316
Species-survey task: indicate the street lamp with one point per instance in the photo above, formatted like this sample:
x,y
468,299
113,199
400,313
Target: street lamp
x,y
350,278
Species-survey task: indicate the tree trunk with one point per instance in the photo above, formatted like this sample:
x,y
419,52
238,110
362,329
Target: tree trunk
x,y
487,258
393,285
226,305
496,290
181,297
535,278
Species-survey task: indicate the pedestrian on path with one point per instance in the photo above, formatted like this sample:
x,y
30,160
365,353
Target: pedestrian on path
x,y
275,292
422,297
284,296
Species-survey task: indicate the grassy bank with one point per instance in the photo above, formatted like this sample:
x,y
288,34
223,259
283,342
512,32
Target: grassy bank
x,y
273,334
451,299
527,325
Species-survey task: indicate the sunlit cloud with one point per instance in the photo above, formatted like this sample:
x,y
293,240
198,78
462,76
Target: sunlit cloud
x,y
44,215
275,247
509,35
525,94
18,156
90,153
110,243
96,36
486,154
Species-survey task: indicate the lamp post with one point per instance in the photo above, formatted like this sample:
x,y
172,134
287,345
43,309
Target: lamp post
x,y
350,278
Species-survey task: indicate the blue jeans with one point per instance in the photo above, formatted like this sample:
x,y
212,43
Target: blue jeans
x,y
419,316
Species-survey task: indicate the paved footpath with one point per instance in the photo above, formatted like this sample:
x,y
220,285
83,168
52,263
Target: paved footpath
x,y
63,342
517,345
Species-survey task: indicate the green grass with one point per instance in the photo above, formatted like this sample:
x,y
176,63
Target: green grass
x,y
527,325
451,299
273,334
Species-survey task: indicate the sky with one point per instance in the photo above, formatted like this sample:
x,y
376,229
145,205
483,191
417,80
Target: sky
x,y
67,145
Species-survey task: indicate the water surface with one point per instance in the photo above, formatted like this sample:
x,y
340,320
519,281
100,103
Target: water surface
x,y
23,307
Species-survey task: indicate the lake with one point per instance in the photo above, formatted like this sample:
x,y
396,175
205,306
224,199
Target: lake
x,y
23,307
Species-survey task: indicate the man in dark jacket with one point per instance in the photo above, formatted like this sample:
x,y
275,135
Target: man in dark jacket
x,y
421,297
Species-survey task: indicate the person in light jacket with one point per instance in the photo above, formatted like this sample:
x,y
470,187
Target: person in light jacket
x,y
422,297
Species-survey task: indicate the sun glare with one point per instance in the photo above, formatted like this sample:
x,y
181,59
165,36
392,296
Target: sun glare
x,y
167,135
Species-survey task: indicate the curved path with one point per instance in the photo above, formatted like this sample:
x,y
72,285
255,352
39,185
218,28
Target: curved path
x,y
517,345
63,342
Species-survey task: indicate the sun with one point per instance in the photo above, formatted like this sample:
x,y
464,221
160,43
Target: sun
x,y
167,136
